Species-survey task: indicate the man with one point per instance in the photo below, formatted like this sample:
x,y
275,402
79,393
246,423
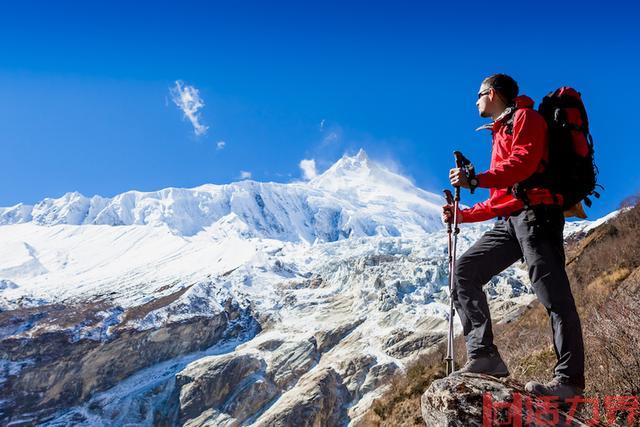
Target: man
x,y
528,227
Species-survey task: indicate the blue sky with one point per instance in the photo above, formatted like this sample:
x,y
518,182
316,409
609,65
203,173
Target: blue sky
x,y
85,102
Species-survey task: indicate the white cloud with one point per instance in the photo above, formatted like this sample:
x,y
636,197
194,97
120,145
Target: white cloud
x,y
322,124
220,145
187,98
308,167
245,175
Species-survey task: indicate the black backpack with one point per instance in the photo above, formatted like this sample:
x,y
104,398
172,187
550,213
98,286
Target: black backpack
x,y
570,170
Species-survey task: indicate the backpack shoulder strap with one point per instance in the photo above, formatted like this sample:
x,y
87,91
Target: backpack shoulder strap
x,y
509,120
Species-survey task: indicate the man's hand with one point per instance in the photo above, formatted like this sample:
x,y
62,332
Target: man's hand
x,y
458,178
447,214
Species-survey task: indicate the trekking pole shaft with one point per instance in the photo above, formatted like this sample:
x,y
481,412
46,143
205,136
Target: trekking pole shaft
x,y
449,357
461,161
452,272
450,336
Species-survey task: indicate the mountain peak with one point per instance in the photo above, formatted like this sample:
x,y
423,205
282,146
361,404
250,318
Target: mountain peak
x,y
362,155
346,166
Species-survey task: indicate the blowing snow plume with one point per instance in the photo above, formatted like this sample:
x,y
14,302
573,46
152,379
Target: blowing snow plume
x,y
188,99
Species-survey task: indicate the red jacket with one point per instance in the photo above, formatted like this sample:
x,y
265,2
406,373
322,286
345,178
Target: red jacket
x,y
514,157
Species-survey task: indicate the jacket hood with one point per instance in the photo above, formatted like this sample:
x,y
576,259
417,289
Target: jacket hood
x,y
523,101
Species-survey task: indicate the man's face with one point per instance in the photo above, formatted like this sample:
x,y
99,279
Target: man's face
x,y
486,96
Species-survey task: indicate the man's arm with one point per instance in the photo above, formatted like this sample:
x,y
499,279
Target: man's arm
x,y
481,211
529,136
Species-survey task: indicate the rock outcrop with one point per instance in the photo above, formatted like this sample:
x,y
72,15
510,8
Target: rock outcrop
x,y
320,402
209,382
462,400
62,372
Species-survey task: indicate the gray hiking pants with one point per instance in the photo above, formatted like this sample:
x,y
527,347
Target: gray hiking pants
x,y
536,235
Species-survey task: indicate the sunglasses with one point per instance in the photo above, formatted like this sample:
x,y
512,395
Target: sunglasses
x,y
483,93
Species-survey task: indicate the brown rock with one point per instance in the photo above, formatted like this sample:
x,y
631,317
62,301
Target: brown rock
x,y
209,382
318,400
457,401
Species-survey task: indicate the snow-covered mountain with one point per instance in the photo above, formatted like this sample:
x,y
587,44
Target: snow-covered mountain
x,y
351,199
242,304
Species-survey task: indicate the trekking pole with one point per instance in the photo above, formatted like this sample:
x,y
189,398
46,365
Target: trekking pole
x,y
449,358
463,163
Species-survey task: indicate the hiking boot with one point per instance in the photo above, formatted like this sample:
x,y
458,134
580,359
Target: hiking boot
x,y
490,364
555,387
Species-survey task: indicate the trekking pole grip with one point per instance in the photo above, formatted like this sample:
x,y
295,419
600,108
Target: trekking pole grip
x,y
459,159
449,198
469,170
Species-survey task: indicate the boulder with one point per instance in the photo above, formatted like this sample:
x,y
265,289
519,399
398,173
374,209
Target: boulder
x,y
461,400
